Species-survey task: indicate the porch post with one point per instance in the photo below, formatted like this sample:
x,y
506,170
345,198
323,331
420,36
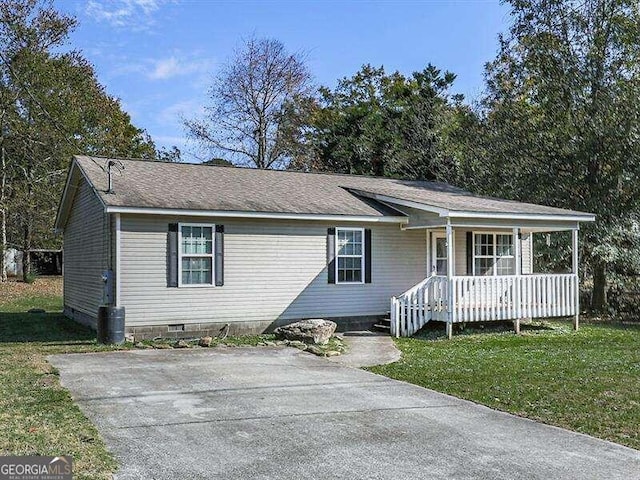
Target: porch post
x,y
516,250
429,253
576,318
517,307
450,265
450,273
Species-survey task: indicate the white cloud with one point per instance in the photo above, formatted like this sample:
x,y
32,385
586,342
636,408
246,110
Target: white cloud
x,y
165,68
175,66
199,70
172,115
170,140
135,14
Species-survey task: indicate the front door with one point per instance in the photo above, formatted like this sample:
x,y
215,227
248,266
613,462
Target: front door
x,y
439,253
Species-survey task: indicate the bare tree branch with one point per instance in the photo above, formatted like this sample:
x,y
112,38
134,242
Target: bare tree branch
x,y
247,102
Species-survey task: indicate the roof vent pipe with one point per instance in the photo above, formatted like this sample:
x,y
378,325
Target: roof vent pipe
x,y
110,165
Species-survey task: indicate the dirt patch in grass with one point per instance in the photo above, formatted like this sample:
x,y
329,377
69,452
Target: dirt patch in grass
x,y
19,292
17,296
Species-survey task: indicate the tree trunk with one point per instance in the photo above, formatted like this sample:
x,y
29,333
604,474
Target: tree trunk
x,y
28,230
26,248
3,214
599,293
3,244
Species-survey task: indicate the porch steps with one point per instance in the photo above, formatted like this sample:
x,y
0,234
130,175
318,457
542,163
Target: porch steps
x,y
384,324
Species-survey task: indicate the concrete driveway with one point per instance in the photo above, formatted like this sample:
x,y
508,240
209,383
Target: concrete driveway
x,y
269,413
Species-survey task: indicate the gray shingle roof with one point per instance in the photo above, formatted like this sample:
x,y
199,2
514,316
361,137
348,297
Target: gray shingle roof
x,y
147,184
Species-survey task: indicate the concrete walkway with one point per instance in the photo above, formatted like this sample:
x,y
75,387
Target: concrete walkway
x,y
367,349
278,413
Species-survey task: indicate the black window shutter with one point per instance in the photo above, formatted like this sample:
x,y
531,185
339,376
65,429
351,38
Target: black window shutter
x,y
469,253
172,255
331,255
367,255
219,255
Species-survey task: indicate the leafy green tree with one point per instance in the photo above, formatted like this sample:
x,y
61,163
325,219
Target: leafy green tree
x,y
51,107
172,155
220,162
382,124
560,122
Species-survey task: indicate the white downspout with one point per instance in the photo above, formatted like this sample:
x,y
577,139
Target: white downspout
x,y
117,262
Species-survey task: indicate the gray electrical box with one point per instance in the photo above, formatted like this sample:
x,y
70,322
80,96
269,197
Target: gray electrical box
x,y
107,284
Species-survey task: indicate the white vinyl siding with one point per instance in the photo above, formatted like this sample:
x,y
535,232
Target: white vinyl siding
x,y
85,252
274,270
526,249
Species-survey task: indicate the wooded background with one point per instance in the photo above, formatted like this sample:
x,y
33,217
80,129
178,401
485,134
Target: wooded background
x,y
558,124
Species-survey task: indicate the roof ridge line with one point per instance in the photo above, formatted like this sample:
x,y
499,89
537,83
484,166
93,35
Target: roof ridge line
x,y
248,168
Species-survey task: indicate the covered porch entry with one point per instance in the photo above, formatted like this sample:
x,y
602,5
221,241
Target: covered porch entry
x,y
481,269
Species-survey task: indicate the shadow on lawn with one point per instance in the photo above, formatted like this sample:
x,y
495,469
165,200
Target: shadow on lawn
x,y
436,330
43,327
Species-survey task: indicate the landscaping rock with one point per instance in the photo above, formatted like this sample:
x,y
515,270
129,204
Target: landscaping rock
x,y
181,344
297,344
205,341
315,350
331,353
270,344
313,331
140,345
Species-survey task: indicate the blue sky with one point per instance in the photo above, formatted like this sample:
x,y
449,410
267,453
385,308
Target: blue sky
x,y
158,56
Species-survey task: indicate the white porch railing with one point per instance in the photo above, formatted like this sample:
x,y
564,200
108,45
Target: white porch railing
x,y
421,303
480,299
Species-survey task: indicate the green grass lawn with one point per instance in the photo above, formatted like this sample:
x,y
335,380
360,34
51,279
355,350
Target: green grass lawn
x,y
587,381
37,415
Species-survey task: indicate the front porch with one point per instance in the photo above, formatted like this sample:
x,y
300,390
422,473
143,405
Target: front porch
x,y
494,281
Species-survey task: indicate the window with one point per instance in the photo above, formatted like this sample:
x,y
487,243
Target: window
x,y
196,254
439,249
350,255
493,254
505,258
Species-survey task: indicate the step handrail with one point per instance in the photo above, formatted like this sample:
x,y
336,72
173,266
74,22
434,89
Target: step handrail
x,y
409,315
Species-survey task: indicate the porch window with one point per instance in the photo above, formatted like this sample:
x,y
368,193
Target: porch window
x,y
196,254
493,254
350,255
